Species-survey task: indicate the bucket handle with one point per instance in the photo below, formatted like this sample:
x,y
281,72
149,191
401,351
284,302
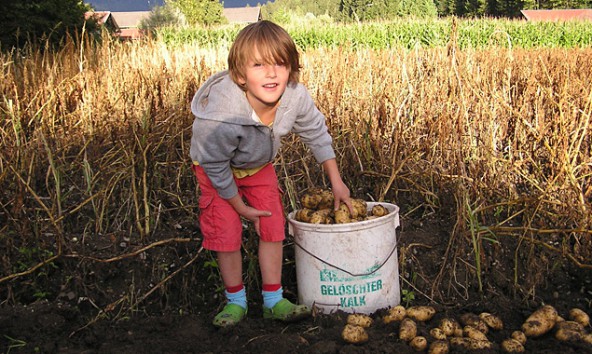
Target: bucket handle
x,y
343,270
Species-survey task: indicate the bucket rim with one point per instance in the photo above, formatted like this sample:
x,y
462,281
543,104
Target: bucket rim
x,y
358,225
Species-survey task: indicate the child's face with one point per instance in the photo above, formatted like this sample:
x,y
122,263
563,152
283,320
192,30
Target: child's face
x,y
264,83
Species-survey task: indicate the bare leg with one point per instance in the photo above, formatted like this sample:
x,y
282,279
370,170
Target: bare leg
x,y
231,267
270,261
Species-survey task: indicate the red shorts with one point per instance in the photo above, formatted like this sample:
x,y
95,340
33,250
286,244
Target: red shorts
x,y
220,224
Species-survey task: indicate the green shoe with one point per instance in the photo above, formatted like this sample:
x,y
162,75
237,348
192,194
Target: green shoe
x,y
229,316
286,311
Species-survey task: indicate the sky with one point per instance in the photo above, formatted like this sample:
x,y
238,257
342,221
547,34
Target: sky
x,y
146,5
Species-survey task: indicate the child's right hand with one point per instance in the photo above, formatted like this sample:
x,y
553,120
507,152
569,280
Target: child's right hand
x,y
248,212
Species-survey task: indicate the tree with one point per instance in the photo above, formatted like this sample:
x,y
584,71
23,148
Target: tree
x,y
161,16
39,21
204,12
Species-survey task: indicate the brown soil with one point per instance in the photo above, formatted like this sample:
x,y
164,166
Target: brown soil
x,y
162,300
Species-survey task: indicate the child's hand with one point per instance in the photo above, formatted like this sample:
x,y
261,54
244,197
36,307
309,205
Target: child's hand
x,y
253,215
340,190
342,195
248,212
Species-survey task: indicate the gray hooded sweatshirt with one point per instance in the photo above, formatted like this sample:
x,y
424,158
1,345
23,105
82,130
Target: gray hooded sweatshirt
x,y
225,134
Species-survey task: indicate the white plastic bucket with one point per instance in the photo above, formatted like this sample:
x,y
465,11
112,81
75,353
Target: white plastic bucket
x,y
349,267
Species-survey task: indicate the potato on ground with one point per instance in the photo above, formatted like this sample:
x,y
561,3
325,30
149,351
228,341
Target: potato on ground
x,y
421,313
407,330
437,333
569,331
419,343
474,333
492,321
395,314
470,319
519,336
449,326
579,316
354,334
511,345
470,343
540,321
439,347
359,319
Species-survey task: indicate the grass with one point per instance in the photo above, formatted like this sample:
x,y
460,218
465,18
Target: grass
x,y
95,140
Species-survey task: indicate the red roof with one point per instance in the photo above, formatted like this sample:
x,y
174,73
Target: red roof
x,y
100,16
130,33
558,15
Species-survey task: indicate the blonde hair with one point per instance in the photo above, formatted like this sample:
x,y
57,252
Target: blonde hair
x,y
272,42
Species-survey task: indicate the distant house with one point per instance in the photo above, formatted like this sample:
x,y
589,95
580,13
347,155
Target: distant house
x,y
104,19
242,14
558,15
129,23
126,25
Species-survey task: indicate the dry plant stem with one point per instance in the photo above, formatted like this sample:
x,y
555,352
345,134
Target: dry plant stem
x,y
167,278
431,127
131,254
109,260
111,306
417,290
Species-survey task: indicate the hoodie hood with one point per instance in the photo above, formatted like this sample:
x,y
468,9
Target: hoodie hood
x,y
221,99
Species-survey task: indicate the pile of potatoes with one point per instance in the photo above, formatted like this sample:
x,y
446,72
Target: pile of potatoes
x,y
470,330
317,208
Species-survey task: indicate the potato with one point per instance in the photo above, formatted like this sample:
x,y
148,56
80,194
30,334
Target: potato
x,y
511,345
437,333
359,319
587,338
342,215
421,313
540,321
354,334
327,200
448,326
395,314
579,316
474,333
470,319
311,199
569,331
492,321
407,330
470,343
519,336
439,347
303,215
379,210
419,343
360,208
321,216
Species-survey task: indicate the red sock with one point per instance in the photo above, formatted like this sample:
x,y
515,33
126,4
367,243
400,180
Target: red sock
x,y
235,289
271,287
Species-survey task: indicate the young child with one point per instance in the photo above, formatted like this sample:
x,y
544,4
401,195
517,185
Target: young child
x,y
240,116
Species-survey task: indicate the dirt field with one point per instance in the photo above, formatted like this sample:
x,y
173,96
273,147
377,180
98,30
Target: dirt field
x,y
163,299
